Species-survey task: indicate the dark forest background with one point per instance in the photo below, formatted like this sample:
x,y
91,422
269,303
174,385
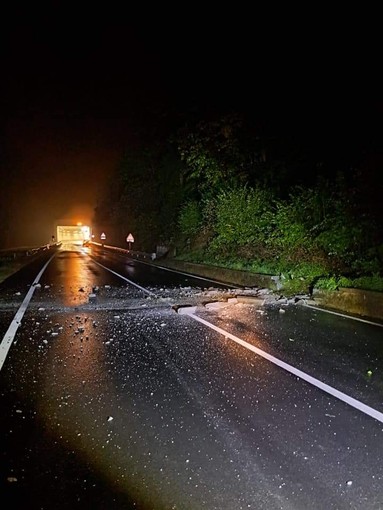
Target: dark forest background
x,y
297,197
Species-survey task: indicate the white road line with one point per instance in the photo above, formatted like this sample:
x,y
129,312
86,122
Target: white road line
x,y
346,316
302,375
126,279
14,326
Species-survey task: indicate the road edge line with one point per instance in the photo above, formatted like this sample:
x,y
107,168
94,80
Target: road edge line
x,y
15,324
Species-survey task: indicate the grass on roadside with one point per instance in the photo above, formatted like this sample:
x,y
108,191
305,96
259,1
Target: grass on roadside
x,y
300,278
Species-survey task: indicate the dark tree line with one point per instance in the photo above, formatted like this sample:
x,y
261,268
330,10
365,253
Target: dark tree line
x,y
226,188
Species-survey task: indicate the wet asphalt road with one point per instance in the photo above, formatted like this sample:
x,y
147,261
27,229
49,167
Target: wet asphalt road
x,y
119,402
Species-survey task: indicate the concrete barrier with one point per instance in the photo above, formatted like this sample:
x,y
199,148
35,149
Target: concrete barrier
x,y
352,301
221,274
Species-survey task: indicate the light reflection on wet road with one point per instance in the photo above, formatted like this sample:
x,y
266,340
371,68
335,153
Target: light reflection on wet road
x,y
123,403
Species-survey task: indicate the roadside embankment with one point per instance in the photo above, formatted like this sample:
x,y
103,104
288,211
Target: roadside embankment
x,y
350,301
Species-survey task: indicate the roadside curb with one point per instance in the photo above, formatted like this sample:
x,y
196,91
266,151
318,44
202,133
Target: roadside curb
x,y
367,303
231,276
352,301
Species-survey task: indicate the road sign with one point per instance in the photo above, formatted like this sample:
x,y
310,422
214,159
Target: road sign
x,y
130,240
103,236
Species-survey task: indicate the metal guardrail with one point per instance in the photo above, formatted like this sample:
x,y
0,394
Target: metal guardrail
x,y
15,253
132,253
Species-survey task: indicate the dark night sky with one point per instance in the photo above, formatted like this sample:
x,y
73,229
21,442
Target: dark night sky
x,y
76,89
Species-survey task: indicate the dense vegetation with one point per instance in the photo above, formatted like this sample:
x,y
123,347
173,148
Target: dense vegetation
x,y
222,191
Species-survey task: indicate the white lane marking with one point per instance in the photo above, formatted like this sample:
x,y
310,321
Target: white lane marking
x,y
14,326
126,279
346,316
302,375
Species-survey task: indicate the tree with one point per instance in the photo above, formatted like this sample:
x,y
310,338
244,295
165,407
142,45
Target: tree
x,y
144,196
212,156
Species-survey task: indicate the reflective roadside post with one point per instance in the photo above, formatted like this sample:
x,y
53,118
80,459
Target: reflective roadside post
x,y
102,237
130,240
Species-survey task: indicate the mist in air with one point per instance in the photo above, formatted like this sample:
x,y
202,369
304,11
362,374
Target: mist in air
x,y
57,175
